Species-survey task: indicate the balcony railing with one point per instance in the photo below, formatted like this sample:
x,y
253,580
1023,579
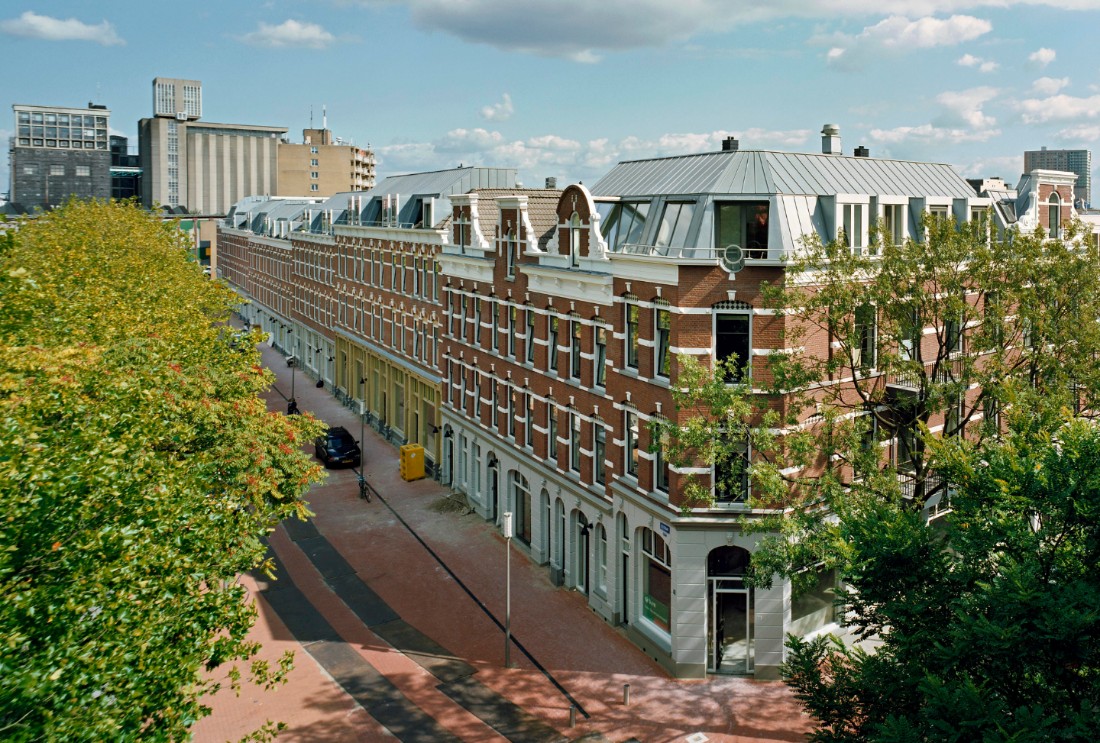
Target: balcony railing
x,y
684,253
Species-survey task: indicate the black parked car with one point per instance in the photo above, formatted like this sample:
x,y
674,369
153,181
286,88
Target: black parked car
x,y
337,447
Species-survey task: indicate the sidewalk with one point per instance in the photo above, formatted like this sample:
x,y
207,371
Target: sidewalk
x,y
587,658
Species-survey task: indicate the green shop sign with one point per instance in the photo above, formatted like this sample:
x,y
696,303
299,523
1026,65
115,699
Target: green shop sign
x,y
654,610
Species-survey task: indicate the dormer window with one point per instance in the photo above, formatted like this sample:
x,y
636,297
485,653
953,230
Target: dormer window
x,y
462,232
623,222
853,228
1054,216
672,232
574,239
745,224
510,250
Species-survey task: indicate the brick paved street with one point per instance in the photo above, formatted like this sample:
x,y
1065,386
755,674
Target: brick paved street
x,y
389,645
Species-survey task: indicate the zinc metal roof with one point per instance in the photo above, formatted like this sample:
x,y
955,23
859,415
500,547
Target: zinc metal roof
x,y
446,182
764,172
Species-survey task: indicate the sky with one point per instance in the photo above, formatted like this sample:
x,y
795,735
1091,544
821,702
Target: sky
x,y
567,88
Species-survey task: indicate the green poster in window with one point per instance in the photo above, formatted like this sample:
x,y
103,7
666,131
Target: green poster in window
x,y
654,610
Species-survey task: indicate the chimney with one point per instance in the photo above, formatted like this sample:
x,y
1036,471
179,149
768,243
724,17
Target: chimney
x,y
551,182
862,151
730,144
830,139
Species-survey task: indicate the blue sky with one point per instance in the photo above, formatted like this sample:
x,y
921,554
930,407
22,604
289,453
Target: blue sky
x,y
567,88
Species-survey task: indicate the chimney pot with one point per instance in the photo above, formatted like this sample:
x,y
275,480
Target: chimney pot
x,y
551,182
862,151
730,144
830,139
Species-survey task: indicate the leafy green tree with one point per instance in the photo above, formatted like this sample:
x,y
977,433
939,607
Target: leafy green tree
x,y
990,625
139,473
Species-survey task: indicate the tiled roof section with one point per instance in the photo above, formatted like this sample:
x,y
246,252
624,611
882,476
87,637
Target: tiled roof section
x,y
763,172
542,210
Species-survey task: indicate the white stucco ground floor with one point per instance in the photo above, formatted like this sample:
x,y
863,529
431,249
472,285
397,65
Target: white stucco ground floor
x,y
674,584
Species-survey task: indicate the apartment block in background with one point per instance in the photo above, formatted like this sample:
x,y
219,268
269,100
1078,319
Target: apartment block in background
x,y
58,153
323,165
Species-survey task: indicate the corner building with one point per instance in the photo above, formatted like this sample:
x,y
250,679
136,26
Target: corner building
x,y
558,352
526,337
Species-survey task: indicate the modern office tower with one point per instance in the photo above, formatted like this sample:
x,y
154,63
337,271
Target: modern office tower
x,y
58,153
1072,161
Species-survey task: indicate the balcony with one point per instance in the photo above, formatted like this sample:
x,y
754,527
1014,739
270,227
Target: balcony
x,y
684,253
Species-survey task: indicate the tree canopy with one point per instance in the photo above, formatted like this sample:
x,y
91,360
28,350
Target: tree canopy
x,y
139,473
990,625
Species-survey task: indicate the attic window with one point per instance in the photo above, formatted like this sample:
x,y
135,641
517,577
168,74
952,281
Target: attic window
x,y
745,224
623,222
672,232
574,239
1054,216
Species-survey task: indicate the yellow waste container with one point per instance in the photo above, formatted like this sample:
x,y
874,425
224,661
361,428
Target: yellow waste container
x,y
412,462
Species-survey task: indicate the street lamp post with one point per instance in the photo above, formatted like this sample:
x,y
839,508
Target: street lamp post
x,y
507,526
292,403
363,492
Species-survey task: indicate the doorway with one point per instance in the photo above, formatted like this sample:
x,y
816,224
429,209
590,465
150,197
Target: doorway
x,y
584,530
730,613
494,495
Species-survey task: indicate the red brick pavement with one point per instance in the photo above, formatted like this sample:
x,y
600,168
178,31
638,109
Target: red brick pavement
x,y
585,655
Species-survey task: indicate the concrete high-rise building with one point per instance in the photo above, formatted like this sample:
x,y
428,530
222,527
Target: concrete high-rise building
x,y
59,152
202,166
323,165
1071,161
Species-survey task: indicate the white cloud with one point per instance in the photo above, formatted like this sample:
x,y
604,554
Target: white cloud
x,y
499,111
1006,167
983,65
927,133
898,34
964,107
34,26
1080,133
1049,85
1042,57
1059,108
581,30
569,159
289,33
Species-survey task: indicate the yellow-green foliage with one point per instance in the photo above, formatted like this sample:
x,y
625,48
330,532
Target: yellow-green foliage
x,y
139,472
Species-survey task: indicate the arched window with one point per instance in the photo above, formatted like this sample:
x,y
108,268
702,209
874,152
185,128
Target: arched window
x,y
1054,215
574,239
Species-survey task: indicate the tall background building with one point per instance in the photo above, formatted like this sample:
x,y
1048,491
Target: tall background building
x,y
201,166
59,152
323,165
1072,161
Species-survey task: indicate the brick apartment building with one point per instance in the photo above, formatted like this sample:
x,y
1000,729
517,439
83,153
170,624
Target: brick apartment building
x,y
525,338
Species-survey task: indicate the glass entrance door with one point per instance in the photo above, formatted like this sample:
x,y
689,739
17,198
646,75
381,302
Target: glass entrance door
x,y
730,628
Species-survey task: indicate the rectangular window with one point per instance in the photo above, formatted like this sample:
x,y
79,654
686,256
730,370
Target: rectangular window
x,y
495,329
731,475
552,435
512,413
57,170
953,335
854,230
601,559
463,325
575,442
601,356
575,349
893,223
732,341
393,272
552,359
631,430
633,313
512,312
530,335
865,338
664,333
83,170
528,419
599,438
745,224
477,321
660,466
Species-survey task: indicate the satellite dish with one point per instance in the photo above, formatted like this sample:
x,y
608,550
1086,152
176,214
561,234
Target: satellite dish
x,y
732,258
